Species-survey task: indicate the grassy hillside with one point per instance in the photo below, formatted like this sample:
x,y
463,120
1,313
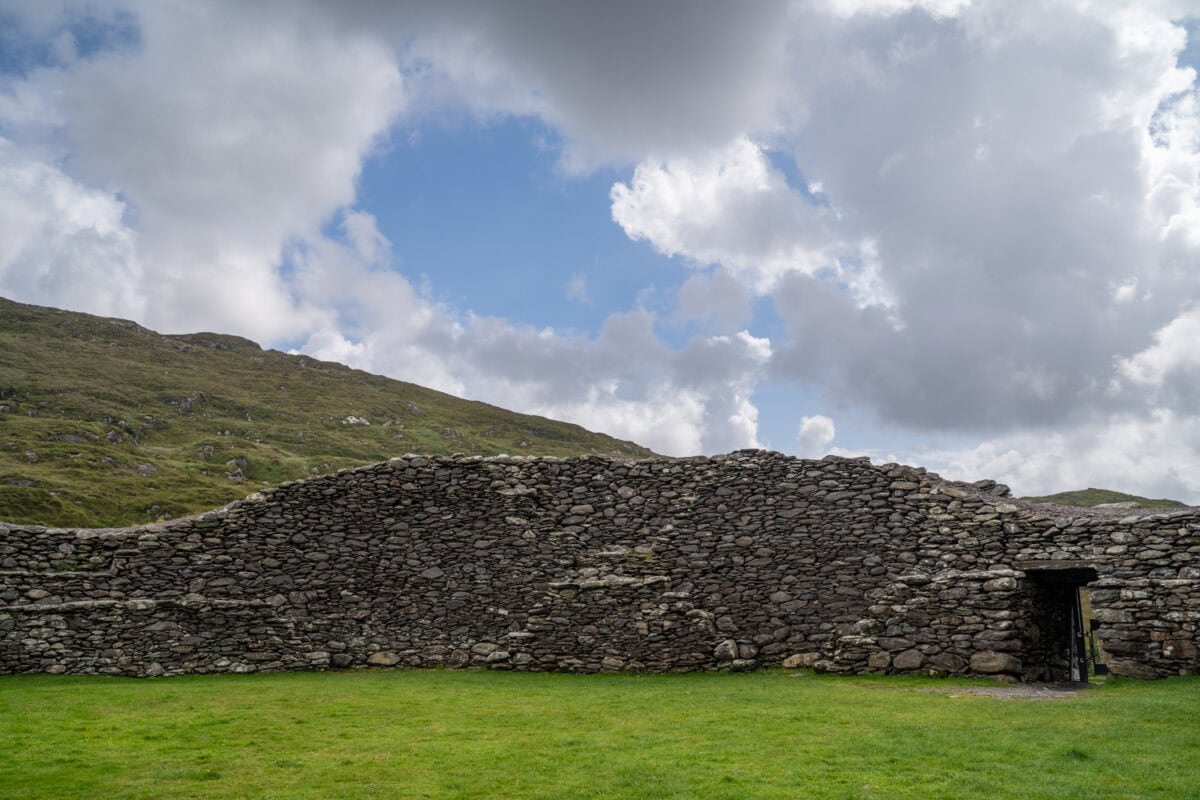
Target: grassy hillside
x,y
1094,497
105,423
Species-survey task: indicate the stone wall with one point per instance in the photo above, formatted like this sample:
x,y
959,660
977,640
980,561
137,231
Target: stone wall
x,y
589,564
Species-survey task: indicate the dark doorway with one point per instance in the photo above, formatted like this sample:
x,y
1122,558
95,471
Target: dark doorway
x,y
1059,645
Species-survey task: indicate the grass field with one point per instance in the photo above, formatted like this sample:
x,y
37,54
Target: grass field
x,y
431,734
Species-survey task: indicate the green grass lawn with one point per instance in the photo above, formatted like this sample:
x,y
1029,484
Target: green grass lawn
x,y
427,734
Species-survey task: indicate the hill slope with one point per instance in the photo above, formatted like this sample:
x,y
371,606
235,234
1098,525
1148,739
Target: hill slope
x,y
105,423
1094,497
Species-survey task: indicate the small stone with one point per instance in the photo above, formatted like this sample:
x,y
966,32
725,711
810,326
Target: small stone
x,y
1131,669
908,660
612,663
384,658
1000,585
879,660
948,662
894,643
990,662
726,650
801,660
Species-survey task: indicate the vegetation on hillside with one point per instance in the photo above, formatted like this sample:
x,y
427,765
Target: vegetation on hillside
x,y
1095,497
106,423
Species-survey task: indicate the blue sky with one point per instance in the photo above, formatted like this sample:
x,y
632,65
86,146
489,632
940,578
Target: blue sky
x,y
956,233
484,211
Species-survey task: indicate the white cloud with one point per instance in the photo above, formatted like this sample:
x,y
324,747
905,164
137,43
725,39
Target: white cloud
x,y
1011,275
623,380
1176,347
621,80
1152,454
1004,239
939,8
729,207
235,137
63,243
717,298
816,435
228,136
577,289
666,420
1125,291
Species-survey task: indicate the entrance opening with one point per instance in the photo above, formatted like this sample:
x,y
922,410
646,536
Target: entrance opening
x,y
1060,651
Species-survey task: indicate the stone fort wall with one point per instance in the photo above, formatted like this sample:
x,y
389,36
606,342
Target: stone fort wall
x,y
589,564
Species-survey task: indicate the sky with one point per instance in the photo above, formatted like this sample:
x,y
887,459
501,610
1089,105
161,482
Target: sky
x,y
962,235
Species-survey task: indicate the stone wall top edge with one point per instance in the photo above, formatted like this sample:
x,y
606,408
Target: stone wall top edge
x,y
1073,516
1062,516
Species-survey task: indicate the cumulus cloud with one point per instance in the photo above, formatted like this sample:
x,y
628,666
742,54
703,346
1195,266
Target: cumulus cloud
x,y
621,80
717,298
998,161
998,232
64,243
234,136
816,435
228,137
1176,348
1152,454
729,207
1021,184
623,380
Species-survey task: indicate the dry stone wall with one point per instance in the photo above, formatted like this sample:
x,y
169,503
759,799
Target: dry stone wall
x,y
738,561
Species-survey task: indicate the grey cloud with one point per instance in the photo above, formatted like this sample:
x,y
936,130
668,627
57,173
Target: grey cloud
x,y
228,136
715,297
1006,198
998,161
620,79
